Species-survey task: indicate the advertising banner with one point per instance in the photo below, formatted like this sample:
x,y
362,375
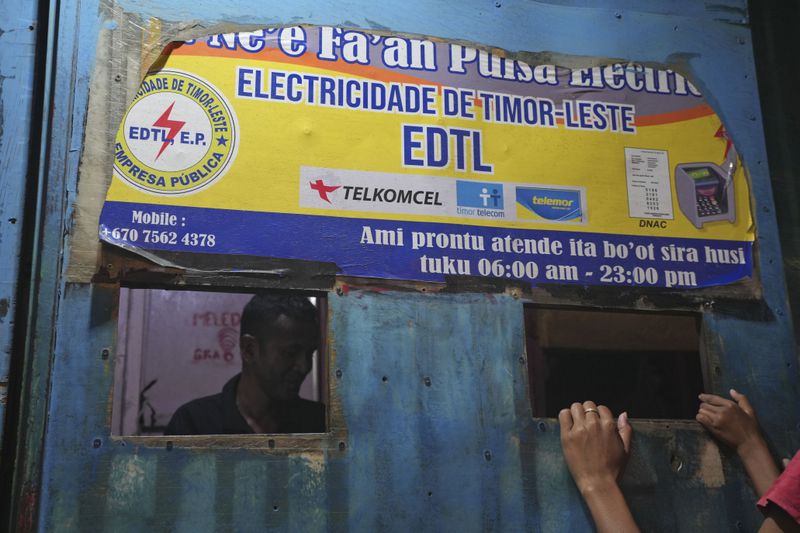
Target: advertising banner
x,y
417,159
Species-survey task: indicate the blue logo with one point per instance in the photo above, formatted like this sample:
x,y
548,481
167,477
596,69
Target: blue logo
x,y
558,205
480,195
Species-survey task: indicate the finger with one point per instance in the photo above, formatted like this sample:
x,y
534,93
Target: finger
x,y
578,414
625,431
711,415
605,413
711,408
713,399
591,413
742,400
565,421
703,419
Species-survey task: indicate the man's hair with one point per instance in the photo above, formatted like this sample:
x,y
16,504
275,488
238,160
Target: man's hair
x,y
263,310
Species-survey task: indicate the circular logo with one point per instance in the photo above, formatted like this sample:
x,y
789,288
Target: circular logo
x,y
179,135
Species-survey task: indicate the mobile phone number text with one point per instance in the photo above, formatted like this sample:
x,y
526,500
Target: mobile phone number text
x,y
155,236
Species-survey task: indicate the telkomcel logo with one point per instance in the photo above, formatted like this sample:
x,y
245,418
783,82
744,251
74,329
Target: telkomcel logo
x,y
475,198
546,203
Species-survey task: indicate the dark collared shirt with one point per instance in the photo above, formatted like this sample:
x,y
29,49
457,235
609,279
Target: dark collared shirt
x,y
218,415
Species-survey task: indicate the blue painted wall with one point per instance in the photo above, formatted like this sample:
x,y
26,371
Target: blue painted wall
x,y
445,442
462,453
18,31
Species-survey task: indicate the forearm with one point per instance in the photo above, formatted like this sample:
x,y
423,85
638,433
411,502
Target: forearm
x,y
609,510
778,521
759,464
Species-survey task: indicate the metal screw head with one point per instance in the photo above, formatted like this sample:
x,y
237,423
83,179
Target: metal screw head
x,y
676,463
427,381
97,443
487,455
104,354
339,373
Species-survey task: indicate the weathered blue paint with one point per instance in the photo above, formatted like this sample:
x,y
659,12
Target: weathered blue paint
x,y
462,452
57,152
451,390
17,63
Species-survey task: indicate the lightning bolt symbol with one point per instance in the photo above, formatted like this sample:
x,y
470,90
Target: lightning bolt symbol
x,y
723,134
174,127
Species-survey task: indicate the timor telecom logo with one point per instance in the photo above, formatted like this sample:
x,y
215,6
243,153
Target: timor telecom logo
x,y
179,135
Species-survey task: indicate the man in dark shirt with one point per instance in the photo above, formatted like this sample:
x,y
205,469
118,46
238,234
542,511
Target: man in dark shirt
x,y
279,335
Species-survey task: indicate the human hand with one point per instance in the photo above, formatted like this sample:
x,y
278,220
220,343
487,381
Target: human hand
x,y
731,421
735,424
595,447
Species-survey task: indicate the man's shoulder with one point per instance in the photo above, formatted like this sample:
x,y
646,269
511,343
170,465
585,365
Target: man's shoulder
x,y
201,416
202,405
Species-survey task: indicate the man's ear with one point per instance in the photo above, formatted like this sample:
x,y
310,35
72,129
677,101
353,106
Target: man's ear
x,y
248,346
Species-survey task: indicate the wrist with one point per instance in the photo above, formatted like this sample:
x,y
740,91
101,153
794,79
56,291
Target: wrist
x,y
610,511
753,446
597,485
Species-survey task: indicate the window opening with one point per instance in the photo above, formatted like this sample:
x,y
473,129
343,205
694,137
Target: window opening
x,y
177,346
647,364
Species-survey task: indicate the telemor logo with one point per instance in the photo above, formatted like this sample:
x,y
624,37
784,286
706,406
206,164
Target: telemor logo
x,y
551,204
179,135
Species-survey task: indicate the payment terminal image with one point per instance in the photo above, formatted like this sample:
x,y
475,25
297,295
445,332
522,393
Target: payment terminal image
x,y
705,190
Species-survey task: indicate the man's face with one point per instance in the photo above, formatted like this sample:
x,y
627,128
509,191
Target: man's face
x,y
283,356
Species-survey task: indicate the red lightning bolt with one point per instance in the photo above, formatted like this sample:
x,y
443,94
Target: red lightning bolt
x,y
723,134
173,125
